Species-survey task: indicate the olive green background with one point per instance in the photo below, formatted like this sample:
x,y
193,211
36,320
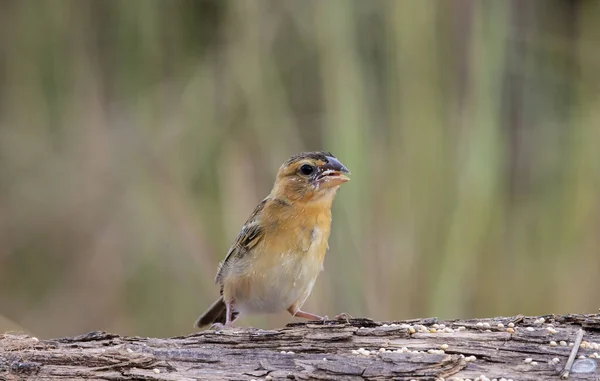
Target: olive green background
x,y
136,136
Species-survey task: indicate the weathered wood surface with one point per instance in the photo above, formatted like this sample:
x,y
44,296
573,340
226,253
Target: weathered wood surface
x,y
323,351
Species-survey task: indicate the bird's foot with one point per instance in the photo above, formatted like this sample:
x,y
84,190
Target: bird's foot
x,y
343,316
220,327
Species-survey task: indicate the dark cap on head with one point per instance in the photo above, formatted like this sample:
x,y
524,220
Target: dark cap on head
x,y
319,155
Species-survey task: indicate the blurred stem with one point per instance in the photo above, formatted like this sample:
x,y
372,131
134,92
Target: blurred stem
x,y
421,187
346,133
480,179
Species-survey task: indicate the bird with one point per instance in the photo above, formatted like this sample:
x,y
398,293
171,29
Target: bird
x,y
274,262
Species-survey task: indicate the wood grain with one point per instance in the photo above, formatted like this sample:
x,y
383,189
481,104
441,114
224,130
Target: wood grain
x,y
324,351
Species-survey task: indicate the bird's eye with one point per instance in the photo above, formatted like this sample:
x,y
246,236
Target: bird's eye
x,y
307,169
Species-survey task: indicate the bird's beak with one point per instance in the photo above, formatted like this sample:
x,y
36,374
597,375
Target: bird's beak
x,y
332,173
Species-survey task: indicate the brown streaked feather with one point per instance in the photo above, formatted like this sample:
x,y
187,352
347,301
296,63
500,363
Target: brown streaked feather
x,y
250,235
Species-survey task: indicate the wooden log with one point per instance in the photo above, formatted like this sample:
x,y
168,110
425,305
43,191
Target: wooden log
x,y
517,348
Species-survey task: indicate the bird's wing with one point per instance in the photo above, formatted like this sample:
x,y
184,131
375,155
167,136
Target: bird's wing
x,y
251,234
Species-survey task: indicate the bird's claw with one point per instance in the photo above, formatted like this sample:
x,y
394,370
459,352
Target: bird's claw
x,y
219,327
343,316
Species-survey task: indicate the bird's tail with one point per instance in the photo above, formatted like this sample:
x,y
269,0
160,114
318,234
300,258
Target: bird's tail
x,y
215,314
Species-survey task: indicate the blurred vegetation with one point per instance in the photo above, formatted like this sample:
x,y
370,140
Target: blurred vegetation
x,y
137,136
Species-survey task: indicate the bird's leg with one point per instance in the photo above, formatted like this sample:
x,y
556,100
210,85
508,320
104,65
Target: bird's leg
x,y
228,313
229,319
306,315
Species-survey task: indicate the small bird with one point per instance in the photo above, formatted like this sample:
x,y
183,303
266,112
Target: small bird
x,y
275,260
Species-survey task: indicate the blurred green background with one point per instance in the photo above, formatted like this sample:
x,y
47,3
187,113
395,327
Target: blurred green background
x,y
137,136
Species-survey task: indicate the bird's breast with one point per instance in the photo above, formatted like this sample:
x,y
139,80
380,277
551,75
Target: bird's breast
x,y
282,269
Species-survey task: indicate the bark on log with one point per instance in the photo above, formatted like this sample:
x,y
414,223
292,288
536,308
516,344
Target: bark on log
x,y
325,351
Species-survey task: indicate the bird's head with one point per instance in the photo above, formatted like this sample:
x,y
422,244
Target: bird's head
x,y
310,176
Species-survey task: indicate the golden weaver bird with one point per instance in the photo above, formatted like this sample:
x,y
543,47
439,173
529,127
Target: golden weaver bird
x,y
276,258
